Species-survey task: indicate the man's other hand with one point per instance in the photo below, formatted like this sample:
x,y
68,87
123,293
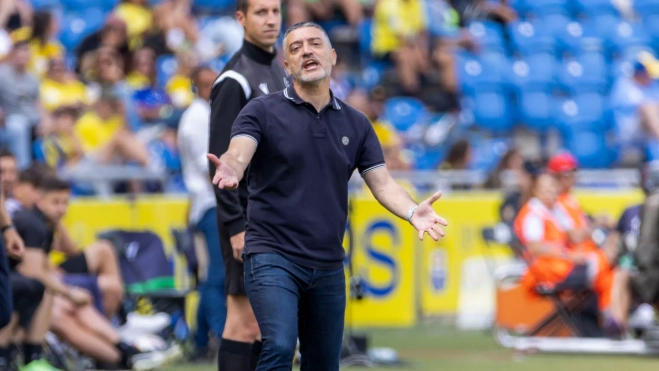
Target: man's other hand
x,y
238,244
225,177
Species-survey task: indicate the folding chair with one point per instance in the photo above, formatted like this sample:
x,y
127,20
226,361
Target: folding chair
x,y
557,315
148,277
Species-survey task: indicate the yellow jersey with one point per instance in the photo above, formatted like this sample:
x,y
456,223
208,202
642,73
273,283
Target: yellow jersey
x,y
93,132
393,20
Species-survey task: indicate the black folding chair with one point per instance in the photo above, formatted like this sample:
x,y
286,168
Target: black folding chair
x,y
569,301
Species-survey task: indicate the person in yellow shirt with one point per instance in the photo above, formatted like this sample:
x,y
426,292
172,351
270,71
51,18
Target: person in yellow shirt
x,y
103,135
62,88
61,148
400,37
143,72
138,18
179,86
43,43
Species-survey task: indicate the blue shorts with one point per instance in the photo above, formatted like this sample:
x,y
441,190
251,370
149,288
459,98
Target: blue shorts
x,y
88,282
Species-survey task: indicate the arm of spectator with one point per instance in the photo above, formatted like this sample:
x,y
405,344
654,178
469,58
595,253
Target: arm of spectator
x,y
228,98
36,265
650,117
63,242
6,9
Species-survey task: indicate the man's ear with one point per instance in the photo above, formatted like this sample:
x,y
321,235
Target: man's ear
x,y
240,17
333,57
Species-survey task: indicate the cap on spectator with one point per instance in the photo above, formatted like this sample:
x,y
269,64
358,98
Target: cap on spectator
x,y
646,62
562,163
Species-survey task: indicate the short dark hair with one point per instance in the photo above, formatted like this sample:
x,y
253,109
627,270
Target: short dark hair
x,y
53,184
32,176
5,152
242,5
305,25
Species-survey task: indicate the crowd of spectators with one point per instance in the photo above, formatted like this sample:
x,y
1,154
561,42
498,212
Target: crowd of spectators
x,y
83,86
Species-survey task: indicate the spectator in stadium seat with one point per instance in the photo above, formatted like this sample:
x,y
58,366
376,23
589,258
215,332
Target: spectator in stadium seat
x,y
19,100
179,86
74,319
138,18
323,10
113,35
8,172
511,163
371,106
400,37
61,87
459,156
470,10
143,73
634,100
176,21
514,200
43,42
26,191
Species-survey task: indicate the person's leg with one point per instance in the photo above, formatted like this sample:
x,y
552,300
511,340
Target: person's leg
x,y
5,340
213,290
19,139
621,298
273,286
240,328
201,336
65,325
406,66
320,321
102,261
35,317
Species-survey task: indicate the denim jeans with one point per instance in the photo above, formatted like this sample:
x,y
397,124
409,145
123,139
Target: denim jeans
x,y
291,302
212,311
16,134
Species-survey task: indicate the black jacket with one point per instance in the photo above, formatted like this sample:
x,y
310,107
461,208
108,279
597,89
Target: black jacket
x,y
252,72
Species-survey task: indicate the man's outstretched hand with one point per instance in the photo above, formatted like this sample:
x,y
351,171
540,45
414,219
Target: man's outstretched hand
x,y
425,219
225,177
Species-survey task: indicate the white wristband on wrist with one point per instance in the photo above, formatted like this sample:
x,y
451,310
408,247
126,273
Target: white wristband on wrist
x,y
411,213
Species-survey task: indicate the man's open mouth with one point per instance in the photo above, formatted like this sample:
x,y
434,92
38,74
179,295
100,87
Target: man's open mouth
x,y
310,64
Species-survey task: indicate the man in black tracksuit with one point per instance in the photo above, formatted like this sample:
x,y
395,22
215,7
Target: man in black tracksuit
x,y
252,72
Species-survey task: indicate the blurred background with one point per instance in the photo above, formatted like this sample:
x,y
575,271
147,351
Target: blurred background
x,y
461,94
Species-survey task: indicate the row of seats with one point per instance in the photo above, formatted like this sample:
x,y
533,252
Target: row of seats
x,y
559,34
534,8
206,6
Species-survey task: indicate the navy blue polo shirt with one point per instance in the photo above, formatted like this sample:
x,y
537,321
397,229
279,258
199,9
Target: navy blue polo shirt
x,y
298,177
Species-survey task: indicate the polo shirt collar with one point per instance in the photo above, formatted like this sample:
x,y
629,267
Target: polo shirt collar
x,y
291,94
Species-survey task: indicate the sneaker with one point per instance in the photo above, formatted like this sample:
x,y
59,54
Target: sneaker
x,y
137,325
39,365
156,360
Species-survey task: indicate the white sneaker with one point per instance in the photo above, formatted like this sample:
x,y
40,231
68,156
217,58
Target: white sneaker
x,y
156,360
137,325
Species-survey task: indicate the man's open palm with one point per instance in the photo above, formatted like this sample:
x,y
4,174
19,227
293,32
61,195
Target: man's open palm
x,y
225,177
426,220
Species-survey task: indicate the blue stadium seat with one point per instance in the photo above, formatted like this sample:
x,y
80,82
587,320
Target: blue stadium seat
x,y
492,111
166,66
576,36
78,6
45,4
76,26
37,150
428,159
552,24
404,112
213,6
218,64
484,71
583,112
594,7
651,25
627,35
652,150
545,7
488,34
646,7
372,74
587,72
537,109
528,37
537,71
486,153
520,6
591,150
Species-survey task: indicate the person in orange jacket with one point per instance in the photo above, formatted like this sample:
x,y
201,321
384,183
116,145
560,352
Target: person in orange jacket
x,y
552,262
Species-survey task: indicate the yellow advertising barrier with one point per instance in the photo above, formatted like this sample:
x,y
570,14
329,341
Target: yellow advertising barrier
x,y
401,274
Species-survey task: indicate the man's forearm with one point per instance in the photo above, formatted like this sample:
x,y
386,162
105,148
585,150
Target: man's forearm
x,y
4,216
395,199
49,279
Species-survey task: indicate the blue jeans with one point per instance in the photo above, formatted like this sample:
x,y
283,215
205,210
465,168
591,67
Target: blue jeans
x,y
17,136
212,311
291,302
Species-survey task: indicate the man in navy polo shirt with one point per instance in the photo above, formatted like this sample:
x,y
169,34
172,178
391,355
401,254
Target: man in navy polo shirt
x,y
302,145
